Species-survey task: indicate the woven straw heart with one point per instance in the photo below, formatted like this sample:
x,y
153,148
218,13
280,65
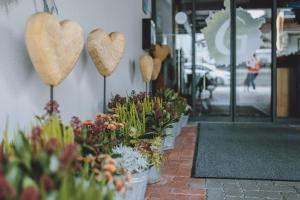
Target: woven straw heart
x,y
146,65
54,47
161,51
156,68
106,50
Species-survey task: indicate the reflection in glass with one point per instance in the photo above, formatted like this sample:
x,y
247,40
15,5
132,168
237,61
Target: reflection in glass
x,y
254,55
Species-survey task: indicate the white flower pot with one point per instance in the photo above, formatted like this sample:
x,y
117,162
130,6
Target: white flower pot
x,y
154,175
169,140
185,119
177,128
137,189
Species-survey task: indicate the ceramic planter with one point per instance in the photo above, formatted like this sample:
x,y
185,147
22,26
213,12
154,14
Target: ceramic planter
x,y
154,175
169,140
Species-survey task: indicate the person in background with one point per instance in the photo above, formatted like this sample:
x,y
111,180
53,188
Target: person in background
x,y
253,68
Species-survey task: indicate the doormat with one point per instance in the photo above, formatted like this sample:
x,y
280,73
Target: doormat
x,y
247,151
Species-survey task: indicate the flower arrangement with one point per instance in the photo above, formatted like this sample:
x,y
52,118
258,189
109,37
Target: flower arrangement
x,y
176,104
48,164
50,173
130,159
139,130
98,136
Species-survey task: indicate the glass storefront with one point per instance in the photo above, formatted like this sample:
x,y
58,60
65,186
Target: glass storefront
x,y
252,78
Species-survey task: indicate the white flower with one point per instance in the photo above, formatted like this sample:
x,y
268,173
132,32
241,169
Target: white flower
x,y
131,159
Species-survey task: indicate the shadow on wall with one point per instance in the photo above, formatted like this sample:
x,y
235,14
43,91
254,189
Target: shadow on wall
x,y
132,70
6,4
45,5
39,5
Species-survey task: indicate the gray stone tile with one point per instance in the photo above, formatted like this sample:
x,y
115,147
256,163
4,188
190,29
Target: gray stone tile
x,y
232,190
234,198
290,196
278,188
215,195
248,185
287,183
214,183
219,189
262,194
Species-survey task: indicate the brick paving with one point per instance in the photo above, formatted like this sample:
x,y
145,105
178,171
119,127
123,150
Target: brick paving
x,y
176,182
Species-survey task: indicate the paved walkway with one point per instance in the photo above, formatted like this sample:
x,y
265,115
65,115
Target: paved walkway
x,y
176,183
218,189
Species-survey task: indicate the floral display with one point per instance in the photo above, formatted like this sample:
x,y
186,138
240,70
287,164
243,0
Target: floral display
x,y
100,135
50,173
89,159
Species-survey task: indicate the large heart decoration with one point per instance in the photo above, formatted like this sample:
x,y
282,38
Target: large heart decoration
x,y
54,47
146,65
161,51
156,68
106,50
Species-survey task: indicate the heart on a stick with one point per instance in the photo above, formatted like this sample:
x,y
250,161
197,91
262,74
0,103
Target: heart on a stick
x,y
53,47
146,65
106,50
156,68
161,51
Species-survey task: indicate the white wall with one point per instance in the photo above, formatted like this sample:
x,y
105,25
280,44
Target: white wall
x,y
23,94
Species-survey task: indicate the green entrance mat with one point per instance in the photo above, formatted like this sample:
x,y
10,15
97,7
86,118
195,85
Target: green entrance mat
x,y
247,151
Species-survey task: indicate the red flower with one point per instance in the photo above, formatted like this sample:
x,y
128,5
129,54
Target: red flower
x,y
88,123
6,190
2,156
30,193
47,182
36,133
68,156
51,145
76,124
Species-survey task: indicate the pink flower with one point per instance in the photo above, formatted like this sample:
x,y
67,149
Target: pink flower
x,y
68,156
6,190
47,182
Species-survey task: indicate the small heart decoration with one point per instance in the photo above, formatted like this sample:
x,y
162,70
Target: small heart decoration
x,y
156,68
106,50
146,65
53,46
161,51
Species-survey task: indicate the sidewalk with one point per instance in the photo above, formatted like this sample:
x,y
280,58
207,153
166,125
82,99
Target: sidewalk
x,y
176,182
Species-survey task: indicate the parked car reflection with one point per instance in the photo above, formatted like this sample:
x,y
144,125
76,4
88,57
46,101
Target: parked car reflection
x,y
217,76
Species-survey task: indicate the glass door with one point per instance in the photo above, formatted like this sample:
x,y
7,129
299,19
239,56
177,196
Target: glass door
x,y
253,60
233,80
212,59
241,64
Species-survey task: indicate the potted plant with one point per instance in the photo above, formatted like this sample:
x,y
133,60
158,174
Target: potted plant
x,y
170,99
140,135
184,110
135,164
98,136
185,116
49,173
